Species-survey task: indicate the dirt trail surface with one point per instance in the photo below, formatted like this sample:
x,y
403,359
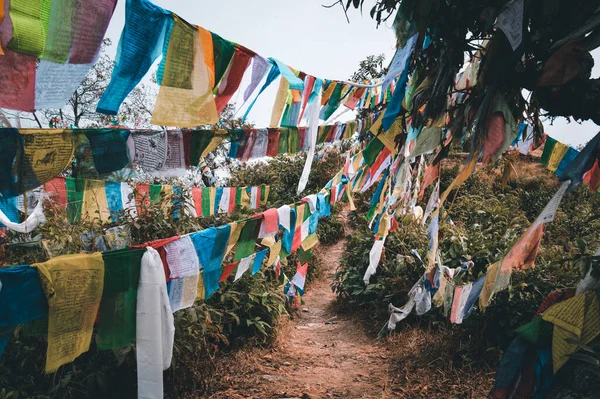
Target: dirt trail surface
x,y
319,354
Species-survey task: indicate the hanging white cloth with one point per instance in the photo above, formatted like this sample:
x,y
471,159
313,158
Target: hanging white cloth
x,y
311,131
33,221
374,258
155,330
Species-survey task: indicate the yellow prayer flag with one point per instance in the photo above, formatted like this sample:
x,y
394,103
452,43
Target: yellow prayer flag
x,y
327,93
192,103
95,204
438,298
73,285
274,251
214,143
212,193
201,291
234,235
280,100
577,318
460,179
557,155
245,198
488,284
310,241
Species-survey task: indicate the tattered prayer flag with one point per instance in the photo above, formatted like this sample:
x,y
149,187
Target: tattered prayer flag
x,y
297,240
473,296
116,323
456,303
280,100
374,258
274,251
288,234
432,173
218,195
73,285
260,66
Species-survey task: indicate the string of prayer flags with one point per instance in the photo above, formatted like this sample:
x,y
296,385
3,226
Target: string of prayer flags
x,y
557,156
460,299
106,201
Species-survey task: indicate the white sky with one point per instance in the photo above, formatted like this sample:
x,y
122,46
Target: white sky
x,y
301,33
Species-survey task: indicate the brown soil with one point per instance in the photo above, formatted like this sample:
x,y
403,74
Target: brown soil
x,y
321,354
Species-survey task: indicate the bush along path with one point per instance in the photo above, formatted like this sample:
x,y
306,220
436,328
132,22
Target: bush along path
x,y
318,354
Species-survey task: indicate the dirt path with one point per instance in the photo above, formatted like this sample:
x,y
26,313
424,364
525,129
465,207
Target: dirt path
x,y
318,354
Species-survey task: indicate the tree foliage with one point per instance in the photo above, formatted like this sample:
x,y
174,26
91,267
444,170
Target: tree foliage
x,y
553,60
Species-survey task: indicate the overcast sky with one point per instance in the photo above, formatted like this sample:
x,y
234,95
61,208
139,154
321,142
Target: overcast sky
x,y
307,36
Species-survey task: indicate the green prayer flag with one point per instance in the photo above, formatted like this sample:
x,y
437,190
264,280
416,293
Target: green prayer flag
x,y
155,190
323,133
117,313
200,140
75,189
58,41
284,135
223,51
247,240
548,148
30,19
179,65
238,195
372,150
293,140
205,201
334,101
537,331
303,256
